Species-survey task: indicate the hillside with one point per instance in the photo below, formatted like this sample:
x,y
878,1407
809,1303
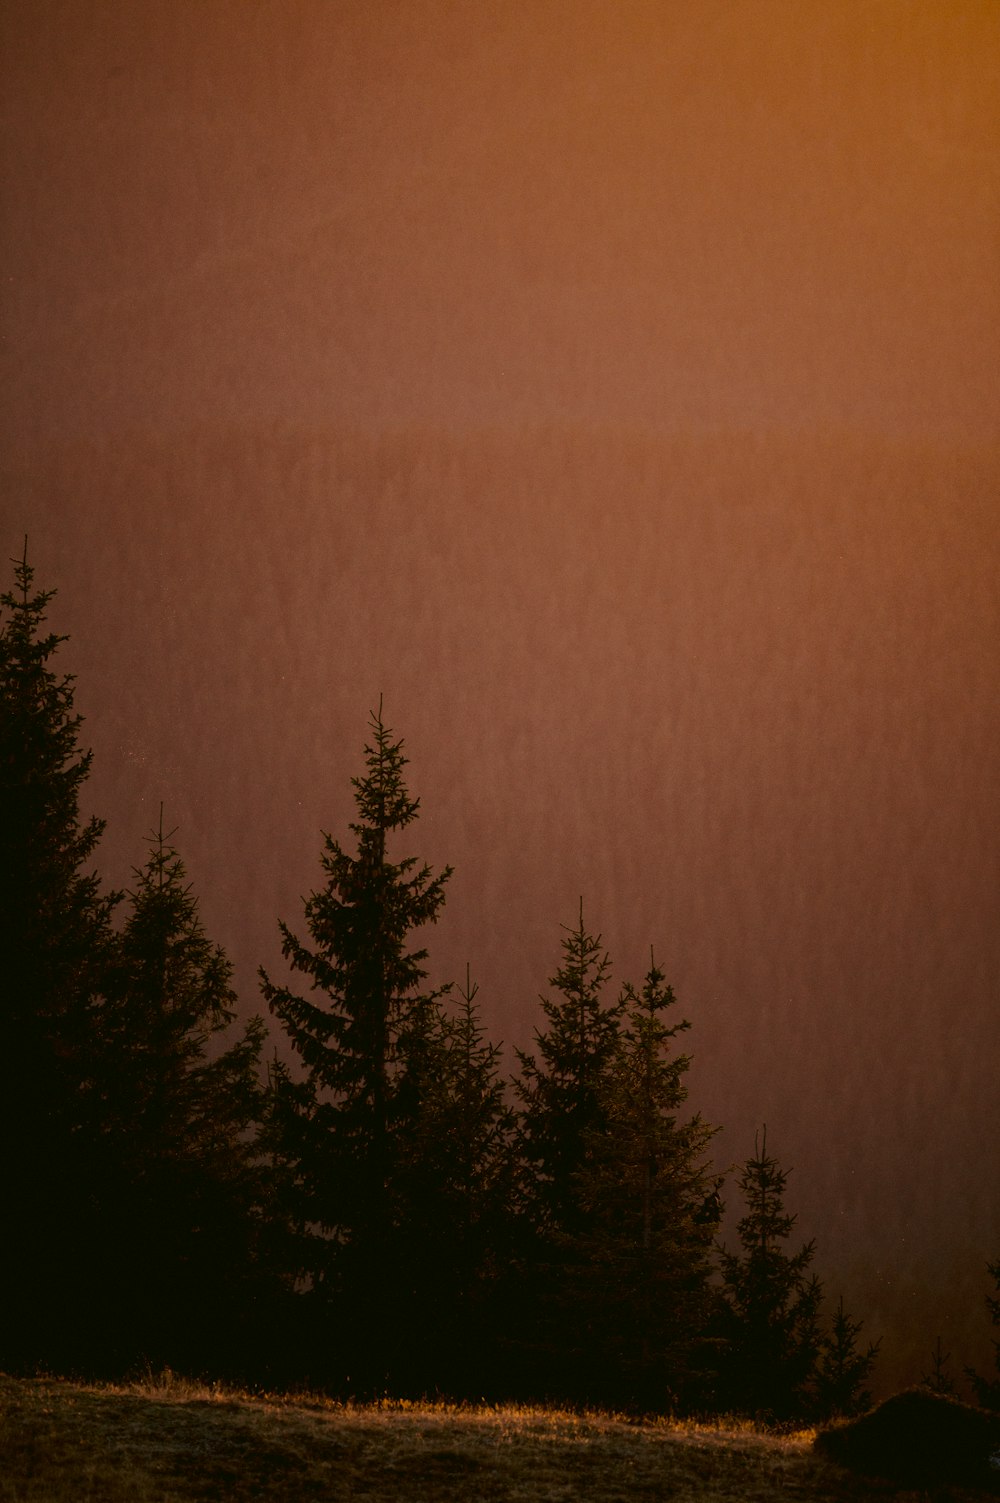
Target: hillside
x,y
171,1442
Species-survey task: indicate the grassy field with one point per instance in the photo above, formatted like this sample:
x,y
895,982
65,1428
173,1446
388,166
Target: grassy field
x,y
168,1441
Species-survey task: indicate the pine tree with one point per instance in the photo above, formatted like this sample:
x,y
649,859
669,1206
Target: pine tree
x,y
563,1093
453,1174
481,1121
459,1194
988,1387
644,1259
288,1336
423,1202
55,944
360,1047
771,1302
182,1116
843,1369
939,1379
480,1134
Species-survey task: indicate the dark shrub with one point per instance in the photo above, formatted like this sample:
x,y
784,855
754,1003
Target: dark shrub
x,y
918,1437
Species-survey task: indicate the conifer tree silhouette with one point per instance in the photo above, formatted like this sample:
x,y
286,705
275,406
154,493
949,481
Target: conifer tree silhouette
x,y
184,1116
643,1259
55,946
369,1047
563,1090
843,1369
987,1386
939,1379
481,1126
480,1121
453,1184
771,1301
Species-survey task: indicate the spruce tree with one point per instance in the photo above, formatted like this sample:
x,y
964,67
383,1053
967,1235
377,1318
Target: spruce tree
x,y
939,1379
358,1042
182,1116
55,946
987,1386
644,1258
423,1205
287,1238
456,1190
843,1369
481,1128
770,1301
481,1120
563,1091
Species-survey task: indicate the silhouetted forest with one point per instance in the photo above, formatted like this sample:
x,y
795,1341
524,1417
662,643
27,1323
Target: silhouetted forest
x,y
363,1201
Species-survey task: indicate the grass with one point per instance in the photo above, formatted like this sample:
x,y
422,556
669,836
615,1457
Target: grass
x,y
169,1441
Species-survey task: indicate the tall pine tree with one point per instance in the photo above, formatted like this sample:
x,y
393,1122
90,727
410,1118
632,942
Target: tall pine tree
x,y
563,1090
771,1301
350,1121
456,1185
644,1257
843,1369
987,1385
55,945
182,1115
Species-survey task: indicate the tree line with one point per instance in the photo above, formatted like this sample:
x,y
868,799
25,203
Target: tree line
x,y
378,1209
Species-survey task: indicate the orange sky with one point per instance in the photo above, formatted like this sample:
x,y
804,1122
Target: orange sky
x,y
614,388
779,213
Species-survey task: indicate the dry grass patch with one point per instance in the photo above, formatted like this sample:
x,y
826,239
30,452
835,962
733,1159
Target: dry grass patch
x,y
167,1441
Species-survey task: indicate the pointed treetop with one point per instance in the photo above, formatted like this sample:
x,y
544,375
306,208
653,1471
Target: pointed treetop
x,y
41,757
28,612
585,964
157,837
23,573
381,795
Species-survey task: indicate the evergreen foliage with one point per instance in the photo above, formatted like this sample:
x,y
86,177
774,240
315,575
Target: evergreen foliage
x,y
371,1048
182,1116
55,945
564,1091
481,1129
939,1379
455,1191
643,1262
770,1301
377,1211
842,1369
987,1386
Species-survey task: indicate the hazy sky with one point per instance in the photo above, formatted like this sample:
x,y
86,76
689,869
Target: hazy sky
x,y
614,388
776,212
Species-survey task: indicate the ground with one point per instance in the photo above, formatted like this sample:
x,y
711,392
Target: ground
x,y
168,1441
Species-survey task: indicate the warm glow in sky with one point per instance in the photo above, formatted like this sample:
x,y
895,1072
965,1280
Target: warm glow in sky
x,y
775,213
614,388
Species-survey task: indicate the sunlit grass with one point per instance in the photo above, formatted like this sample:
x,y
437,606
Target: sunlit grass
x,y
165,1439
